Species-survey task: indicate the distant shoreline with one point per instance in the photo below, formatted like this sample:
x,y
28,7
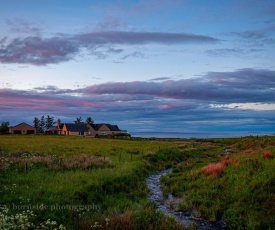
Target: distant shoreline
x,y
191,135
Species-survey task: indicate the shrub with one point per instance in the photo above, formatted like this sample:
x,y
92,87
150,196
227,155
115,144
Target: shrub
x,y
267,155
213,169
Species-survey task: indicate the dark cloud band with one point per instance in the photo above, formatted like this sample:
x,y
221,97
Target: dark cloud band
x,y
36,50
245,85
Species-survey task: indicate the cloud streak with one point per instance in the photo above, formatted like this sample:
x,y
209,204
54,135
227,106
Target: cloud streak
x,y
241,86
21,26
237,52
36,50
218,99
245,85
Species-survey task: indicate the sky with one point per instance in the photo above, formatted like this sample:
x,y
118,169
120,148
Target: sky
x,y
146,66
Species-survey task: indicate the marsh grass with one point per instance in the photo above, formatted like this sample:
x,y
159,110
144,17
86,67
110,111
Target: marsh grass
x,y
142,218
239,187
213,169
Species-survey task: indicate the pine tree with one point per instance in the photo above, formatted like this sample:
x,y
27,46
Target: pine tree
x,y
36,124
49,122
41,128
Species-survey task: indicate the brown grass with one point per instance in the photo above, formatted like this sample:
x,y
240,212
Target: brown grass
x,y
82,161
213,169
226,161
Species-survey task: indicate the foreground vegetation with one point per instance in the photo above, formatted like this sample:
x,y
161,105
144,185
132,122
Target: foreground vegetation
x,y
57,182
238,185
77,183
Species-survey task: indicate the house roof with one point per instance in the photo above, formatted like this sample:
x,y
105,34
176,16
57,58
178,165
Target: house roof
x,y
96,126
60,126
82,127
110,127
23,123
113,127
73,127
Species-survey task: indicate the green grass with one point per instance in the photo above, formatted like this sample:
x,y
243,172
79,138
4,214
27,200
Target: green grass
x,y
243,192
34,176
94,183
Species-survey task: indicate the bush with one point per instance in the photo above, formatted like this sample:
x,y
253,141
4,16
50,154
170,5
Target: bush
x,y
267,155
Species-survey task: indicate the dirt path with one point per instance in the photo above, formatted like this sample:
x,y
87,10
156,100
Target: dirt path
x,y
186,218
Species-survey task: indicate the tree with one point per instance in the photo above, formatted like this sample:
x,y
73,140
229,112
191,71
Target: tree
x,y
89,120
36,124
4,128
49,122
41,126
78,120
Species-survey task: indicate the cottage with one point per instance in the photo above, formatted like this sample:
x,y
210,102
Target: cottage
x,y
106,129
82,129
22,128
72,129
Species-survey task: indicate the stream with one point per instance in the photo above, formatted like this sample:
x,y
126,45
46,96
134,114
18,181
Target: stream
x,y
186,217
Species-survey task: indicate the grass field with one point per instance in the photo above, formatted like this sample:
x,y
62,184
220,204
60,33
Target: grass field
x,y
58,182
73,180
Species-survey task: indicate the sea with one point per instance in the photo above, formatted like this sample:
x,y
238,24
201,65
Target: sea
x,y
191,135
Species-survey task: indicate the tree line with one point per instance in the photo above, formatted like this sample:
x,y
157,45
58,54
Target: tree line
x,y
45,123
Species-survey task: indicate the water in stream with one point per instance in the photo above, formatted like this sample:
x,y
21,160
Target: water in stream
x,y
186,218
